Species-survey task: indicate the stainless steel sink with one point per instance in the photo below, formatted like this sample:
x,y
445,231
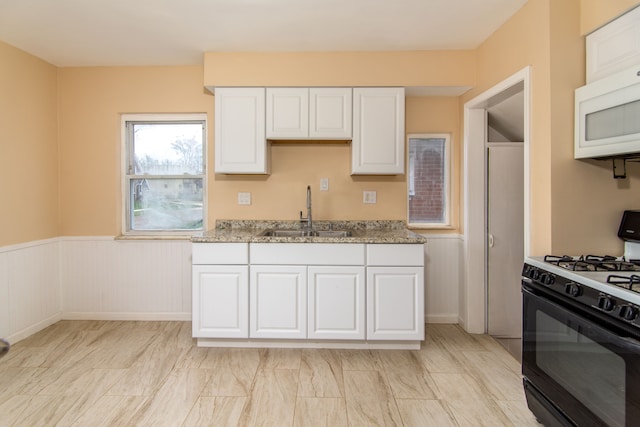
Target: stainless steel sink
x,y
334,233
306,233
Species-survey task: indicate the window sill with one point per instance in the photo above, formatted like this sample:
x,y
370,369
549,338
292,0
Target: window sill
x,y
153,237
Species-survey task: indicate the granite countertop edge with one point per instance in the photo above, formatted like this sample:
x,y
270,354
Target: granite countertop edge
x,y
372,232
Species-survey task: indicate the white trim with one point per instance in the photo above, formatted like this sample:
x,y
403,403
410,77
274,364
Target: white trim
x,y
124,155
32,329
448,163
356,345
26,245
148,316
473,296
442,318
440,236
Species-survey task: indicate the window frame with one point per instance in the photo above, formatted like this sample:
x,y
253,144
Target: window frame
x,y
446,222
126,177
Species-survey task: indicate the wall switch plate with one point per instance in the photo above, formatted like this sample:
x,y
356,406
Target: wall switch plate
x,y
244,198
324,184
368,197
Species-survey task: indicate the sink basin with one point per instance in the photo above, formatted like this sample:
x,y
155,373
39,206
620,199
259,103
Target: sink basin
x,y
334,233
306,233
287,233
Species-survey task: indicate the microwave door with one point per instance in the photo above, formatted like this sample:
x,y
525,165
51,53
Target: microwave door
x,y
607,119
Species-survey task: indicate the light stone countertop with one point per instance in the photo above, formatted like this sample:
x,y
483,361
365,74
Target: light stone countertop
x,y
248,231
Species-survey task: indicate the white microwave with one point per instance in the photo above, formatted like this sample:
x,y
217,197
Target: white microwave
x,y
607,116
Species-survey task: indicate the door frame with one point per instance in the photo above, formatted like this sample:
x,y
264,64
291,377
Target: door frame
x,y
473,294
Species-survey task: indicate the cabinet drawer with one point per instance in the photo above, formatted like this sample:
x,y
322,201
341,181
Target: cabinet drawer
x,y
220,253
307,253
395,255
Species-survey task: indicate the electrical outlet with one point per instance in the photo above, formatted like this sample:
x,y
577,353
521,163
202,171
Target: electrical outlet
x,y
324,184
244,198
369,197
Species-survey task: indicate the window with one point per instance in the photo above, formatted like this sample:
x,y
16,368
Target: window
x,y
164,173
428,181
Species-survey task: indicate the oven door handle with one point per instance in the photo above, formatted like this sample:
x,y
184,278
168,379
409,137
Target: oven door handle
x,y
629,343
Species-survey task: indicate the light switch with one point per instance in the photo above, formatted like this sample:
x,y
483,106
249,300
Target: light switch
x,y
369,197
244,198
324,184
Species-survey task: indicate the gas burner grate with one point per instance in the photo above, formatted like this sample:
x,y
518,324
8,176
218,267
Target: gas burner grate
x,y
592,263
626,282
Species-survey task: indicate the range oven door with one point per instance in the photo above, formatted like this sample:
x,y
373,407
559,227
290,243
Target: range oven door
x,y
579,369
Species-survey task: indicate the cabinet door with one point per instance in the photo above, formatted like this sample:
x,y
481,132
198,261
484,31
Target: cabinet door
x,y
336,303
220,301
240,143
378,131
395,303
330,113
287,112
614,47
278,301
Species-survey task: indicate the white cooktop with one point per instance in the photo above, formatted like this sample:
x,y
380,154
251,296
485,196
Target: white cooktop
x,y
593,279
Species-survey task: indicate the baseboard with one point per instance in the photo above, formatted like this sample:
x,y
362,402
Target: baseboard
x,y
441,318
179,317
26,332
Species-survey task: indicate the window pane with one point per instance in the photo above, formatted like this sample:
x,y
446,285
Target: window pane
x,y
166,204
427,192
167,148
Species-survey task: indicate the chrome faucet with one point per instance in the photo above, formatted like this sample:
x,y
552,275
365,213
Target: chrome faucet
x,y
307,220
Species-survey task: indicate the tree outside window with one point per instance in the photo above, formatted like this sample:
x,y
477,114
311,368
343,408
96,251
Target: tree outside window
x,y
165,173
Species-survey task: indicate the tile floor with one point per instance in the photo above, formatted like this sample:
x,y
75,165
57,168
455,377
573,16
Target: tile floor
x,y
97,373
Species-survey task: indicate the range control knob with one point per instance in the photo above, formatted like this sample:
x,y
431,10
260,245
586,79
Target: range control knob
x,y
547,279
606,303
534,273
573,289
628,312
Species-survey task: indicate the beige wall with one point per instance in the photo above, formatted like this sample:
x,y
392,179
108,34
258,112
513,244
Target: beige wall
x,y
566,195
576,205
594,13
92,100
524,40
28,149
424,68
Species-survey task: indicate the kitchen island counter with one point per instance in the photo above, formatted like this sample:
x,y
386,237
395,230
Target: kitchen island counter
x,y
370,232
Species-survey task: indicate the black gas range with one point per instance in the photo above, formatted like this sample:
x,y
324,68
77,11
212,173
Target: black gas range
x,y
609,283
581,335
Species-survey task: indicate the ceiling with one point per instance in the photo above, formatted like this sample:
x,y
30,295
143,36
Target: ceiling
x,y
178,32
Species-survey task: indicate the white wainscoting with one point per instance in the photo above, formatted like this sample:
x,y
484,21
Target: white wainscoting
x,y
100,278
107,279
30,297
443,276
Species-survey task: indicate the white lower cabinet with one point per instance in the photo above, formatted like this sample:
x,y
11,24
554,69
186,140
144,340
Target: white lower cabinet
x,y
395,303
336,303
220,301
395,292
220,288
350,292
278,301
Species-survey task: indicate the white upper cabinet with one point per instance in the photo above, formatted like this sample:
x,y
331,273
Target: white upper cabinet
x,y
614,47
378,131
308,113
330,112
287,112
240,142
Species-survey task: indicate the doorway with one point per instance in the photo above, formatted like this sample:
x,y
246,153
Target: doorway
x,y
505,215
481,157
